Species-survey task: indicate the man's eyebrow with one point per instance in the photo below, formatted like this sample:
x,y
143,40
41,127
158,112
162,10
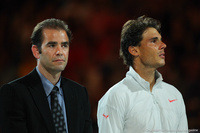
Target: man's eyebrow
x,y
65,42
51,42
154,38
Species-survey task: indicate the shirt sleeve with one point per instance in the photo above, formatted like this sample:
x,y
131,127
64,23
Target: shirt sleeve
x,y
110,120
183,124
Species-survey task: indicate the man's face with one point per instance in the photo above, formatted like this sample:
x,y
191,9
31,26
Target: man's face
x,y
151,51
54,51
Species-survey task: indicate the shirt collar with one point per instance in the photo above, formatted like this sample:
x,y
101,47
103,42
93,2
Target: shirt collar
x,y
132,73
158,77
47,85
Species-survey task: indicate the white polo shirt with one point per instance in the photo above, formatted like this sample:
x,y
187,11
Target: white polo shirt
x,y
130,107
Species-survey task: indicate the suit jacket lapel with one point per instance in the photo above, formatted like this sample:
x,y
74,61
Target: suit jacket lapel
x,y
40,98
70,100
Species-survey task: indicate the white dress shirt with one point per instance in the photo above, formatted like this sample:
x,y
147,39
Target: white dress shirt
x,y
130,107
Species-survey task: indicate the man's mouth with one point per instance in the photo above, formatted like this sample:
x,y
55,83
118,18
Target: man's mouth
x,y
58,60
162,55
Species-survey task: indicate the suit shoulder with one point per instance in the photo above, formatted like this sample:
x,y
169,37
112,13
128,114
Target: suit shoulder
x,y
13,87
74,87
15,82
21,82
71,83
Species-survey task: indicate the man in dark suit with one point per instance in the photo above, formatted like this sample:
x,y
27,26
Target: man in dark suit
x,y
26,103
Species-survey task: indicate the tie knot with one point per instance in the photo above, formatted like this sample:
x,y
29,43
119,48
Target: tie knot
x,y
54,91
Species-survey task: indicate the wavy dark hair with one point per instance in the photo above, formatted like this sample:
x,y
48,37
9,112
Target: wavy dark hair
x,y
131,35
37,34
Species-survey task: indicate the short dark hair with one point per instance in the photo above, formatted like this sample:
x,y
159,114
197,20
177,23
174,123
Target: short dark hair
x,y
131,35
37,34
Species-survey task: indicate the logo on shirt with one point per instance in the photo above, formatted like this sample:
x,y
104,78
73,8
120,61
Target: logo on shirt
x,y
172,100
106,116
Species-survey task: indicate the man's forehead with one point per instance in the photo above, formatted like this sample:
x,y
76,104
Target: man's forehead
x,y
54,35
52,32
151,33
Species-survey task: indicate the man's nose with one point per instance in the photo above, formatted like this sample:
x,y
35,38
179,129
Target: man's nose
x,y
59,50
163,45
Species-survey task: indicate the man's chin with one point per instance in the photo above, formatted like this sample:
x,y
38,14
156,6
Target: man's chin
x,y
59,68
162,64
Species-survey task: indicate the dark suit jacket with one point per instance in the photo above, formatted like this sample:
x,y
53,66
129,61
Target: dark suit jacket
x,y
24,107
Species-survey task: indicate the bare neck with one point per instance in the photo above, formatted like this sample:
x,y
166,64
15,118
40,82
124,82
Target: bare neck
x,y
53,77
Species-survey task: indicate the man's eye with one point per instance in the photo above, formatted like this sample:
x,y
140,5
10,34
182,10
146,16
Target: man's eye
x,y
65,45
153,41
52,45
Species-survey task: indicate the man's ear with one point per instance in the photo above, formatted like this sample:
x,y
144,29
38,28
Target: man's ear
x,y
35,51
133,50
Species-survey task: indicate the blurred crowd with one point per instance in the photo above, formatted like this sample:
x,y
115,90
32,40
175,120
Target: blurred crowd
x,y
94,52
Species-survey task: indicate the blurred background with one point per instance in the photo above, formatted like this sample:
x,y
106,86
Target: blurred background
x,y
94,52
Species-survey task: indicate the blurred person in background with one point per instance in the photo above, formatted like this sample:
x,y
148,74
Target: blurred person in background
x,y
43,101
142,101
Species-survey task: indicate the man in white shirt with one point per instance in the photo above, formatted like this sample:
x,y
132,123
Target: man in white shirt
x,y
142,102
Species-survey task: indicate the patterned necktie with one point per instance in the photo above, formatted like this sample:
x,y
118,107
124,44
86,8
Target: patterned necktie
x,y
57,113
